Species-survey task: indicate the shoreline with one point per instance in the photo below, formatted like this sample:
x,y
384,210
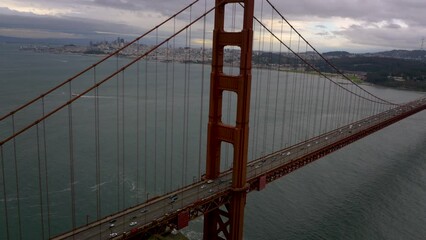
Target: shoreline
x,y
354,79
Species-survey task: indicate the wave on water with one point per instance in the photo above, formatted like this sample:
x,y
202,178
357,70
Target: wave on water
x,y
85,96
192,235
63,190
96,186
131,184
12,199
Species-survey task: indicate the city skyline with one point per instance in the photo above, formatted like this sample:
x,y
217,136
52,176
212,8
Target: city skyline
x,y
355,26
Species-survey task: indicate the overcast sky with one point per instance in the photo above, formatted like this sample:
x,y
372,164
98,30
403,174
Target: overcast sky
x,y
352,25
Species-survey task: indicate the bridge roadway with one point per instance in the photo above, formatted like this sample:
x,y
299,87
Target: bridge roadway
x,y
190,199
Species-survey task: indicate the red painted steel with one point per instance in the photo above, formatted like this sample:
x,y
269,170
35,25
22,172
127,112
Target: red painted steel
x,y
236,135
262,183
183,219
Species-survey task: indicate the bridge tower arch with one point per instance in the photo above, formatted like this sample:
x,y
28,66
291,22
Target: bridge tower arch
x,y
229,222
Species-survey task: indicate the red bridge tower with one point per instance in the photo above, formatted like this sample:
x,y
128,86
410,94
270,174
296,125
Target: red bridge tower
x,y
229,222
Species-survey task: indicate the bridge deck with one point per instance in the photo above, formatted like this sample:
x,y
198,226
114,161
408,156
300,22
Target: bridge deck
x,y
203,196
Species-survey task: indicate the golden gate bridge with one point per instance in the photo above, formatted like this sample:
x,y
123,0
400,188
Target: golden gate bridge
x,y
132,145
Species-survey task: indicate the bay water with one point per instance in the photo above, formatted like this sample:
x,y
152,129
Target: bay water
x,y
374,188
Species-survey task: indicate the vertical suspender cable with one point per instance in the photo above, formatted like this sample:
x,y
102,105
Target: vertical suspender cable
x,y
334,109
284,144
17,179
39,182
146,130
341,106
123,152
97,149
188,94
322,106
377,106
317,102
345,107
259,85
329,111
256,87
276,92
173,107
203,58
301,106
310,107
97,153
4,193
137,125
259,117
185,79
186,102
118,137
166,120
265,119
46,173
71,152
299,79
349,116
297,99
155,112
309,85
374,108
349,104
364,108
304,78
268,88
358,108
292,102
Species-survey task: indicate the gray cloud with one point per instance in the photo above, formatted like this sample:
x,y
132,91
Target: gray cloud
x,y
321,26
322,33
386,23
120,4
392,26
406,38
82,27
367,10
382,18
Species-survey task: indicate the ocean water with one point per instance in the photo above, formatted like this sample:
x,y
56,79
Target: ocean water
x,y
372,189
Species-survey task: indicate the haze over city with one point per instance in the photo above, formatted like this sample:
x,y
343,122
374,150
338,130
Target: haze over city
x,y
355,26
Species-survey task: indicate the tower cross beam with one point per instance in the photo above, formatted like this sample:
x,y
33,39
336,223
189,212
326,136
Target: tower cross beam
x,y
241,85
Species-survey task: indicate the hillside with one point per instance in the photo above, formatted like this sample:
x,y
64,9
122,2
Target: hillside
x,y
382,70
392,72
